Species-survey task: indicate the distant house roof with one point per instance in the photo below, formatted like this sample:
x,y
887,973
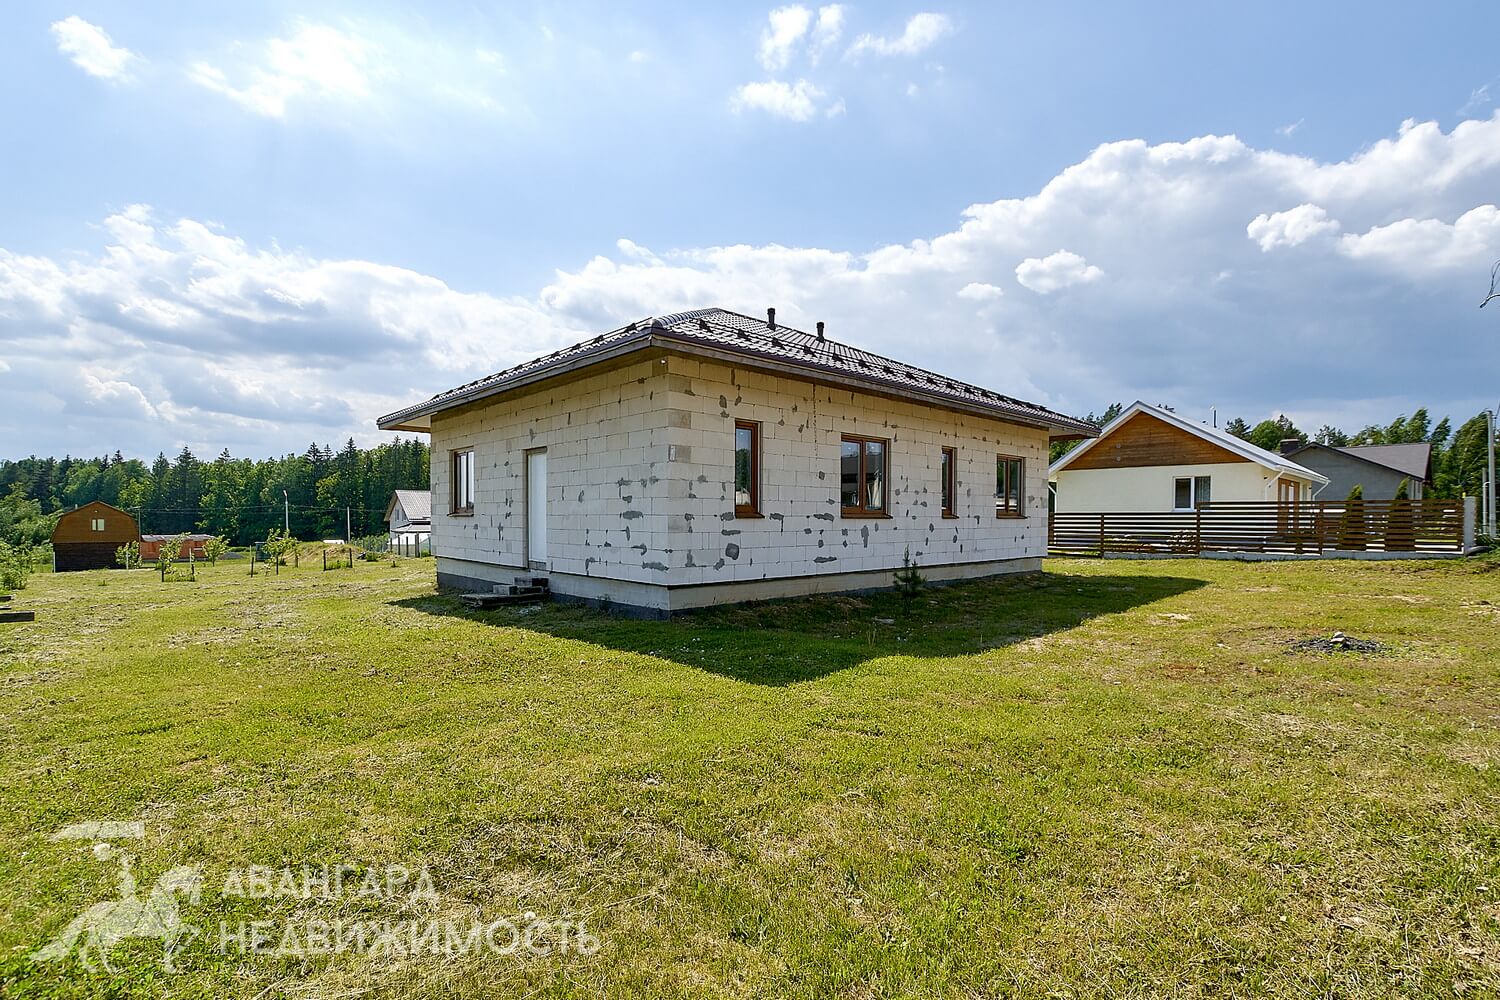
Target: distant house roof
x,y
1249,452
416,503
1412,460
757,343
168,538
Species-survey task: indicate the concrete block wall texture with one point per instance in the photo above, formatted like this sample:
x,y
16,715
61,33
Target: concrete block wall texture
x,y
605,491
801,531
640,465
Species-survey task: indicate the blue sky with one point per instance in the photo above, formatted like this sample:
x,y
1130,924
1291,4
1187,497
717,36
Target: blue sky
x,y
256,228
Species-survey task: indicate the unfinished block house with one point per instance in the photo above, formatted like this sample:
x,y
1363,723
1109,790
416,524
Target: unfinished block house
x,y
707,457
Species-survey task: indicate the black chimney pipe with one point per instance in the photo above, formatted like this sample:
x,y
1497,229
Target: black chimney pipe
x,y
820,329
771,317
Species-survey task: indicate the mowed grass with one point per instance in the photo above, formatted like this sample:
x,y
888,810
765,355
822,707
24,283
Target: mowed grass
x,y
1115,779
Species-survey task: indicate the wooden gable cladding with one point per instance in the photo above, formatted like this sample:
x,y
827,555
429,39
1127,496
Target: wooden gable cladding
x,y
77,526
1146,440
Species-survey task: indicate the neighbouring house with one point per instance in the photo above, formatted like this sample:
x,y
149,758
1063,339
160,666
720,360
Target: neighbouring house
x,y
89,536
409,516
1377,469
1151,459
708,457
191,548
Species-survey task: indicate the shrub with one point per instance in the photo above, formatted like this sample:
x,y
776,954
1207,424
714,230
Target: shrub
x,y
15,565
129,555
213,548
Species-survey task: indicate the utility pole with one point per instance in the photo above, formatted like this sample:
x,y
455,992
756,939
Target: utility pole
x,y
287,512
1489,486
348,535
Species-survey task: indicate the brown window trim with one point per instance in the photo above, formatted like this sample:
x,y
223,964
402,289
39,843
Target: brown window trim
x,y
454,510
752,509
885,493
1015,515
950,486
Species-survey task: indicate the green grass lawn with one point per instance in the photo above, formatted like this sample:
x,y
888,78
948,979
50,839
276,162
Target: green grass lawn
x,y
1113,780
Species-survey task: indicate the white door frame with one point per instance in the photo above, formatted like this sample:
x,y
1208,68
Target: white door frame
x,y
530,558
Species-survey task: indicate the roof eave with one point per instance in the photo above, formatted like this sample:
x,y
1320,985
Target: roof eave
x,y
662,338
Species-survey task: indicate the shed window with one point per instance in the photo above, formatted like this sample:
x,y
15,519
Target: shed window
x,y
97,524
862,476
950,482
1191,492
463,481
746,468
1010,487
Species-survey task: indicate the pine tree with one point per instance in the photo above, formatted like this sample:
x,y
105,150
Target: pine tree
x,y
909,580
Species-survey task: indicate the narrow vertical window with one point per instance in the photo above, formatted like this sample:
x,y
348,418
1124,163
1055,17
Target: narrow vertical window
x,y
862,476
746,468
1182,494
97,524
463,482
950,482
1202,490
1010,487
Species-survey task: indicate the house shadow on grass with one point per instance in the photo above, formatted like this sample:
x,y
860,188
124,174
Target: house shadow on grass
x,y
791,641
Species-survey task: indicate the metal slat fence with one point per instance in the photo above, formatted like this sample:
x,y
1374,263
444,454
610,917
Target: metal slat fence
x,y
1308,527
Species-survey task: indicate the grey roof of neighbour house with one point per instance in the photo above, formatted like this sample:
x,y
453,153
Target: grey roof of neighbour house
x,y
721,331
1414,460
1408,459
416,503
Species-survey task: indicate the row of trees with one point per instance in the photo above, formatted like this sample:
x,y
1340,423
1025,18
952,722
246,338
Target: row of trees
x,y
1458,457
240,499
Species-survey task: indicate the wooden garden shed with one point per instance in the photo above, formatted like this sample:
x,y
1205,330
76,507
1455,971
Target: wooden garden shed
x,y
87,537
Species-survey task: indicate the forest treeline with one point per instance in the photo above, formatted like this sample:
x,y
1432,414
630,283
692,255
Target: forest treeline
x,y
1458,457
238,498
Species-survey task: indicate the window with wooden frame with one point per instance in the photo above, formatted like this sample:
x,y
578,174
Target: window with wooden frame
x,y
97,524
950,482
746,468
1010,487
862,476
462,485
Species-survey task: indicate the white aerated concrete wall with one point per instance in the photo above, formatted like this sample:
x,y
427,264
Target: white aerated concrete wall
x,y
641,476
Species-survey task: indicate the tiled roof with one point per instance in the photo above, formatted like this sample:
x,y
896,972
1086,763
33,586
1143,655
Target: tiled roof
x,y
416,503
723,330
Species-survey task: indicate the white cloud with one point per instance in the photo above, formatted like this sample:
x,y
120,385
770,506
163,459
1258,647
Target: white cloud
x,y
980,291
1056,271
1420,247
1479,99
229,342
1291,228
91,49
1290,130
787,27
922,32
362,69
827,31
639,56
315,62
798,101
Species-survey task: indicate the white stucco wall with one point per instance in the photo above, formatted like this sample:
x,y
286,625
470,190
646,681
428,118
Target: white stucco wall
x,y
1151,488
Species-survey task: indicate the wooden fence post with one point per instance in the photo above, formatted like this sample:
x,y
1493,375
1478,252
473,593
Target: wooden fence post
x,y
1101,536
